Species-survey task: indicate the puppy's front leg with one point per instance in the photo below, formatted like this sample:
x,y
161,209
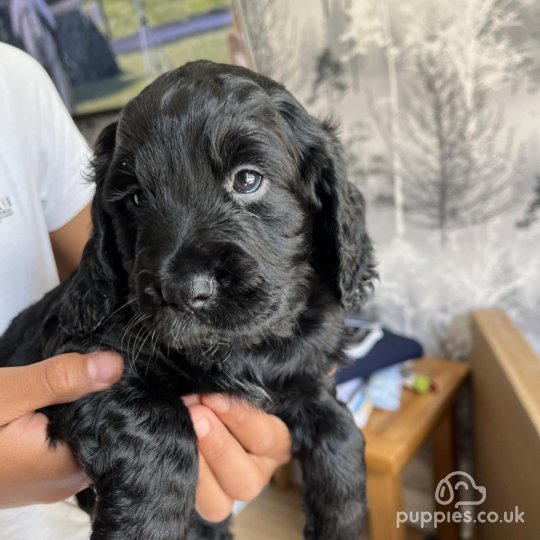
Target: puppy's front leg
x,y
331,452
138,447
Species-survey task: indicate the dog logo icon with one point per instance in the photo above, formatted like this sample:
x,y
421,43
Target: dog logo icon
x,y
446,491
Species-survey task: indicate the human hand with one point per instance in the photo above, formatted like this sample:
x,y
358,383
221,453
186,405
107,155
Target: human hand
x,y
240,447
30,470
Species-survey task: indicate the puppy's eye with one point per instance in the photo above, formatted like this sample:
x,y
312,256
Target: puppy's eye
x,y
247,181
138,199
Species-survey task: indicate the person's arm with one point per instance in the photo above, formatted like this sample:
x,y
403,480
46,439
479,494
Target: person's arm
x,y
68,242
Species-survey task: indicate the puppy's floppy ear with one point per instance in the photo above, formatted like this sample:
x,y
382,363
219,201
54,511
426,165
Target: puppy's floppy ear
x,y
342,249
91,290
341,237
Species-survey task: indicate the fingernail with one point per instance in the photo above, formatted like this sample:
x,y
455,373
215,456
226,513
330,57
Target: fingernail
x,y
104,366
219,403
202,426
191,399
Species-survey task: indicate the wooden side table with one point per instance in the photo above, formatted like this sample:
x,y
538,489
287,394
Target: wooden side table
x,y
392,439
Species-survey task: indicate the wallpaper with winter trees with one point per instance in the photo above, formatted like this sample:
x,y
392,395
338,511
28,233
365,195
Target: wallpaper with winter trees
x,y
439,105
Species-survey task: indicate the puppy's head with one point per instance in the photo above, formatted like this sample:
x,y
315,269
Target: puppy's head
x,y
220,206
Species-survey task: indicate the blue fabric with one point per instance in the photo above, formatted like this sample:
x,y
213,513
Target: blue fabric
x,y
384,388
389,350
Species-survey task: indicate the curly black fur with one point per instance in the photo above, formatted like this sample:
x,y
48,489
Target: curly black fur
x,y
284,263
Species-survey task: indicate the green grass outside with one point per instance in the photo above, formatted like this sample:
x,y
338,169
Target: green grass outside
x,y
112,93
123,19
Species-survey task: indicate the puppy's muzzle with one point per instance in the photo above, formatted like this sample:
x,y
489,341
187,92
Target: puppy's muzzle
x,y
192,291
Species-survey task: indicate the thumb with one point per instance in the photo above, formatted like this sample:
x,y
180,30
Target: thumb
x,y
60,379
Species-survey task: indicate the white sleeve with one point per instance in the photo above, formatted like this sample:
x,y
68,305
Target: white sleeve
x,y
64,188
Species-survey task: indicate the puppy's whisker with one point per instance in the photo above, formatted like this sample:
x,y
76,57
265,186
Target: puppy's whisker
x,y
247,212
215,349
177,335
208,350
154,350
136,319
278,338
294,318
224,357
143,271
129,354
263,336
118,310
142,341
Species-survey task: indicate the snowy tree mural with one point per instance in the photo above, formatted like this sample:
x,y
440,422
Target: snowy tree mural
x,y
476,43
532,213
277,37
363,165
457,60
458,171
332,78
371,26
439,103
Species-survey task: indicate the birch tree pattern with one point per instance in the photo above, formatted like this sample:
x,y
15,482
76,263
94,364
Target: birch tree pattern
x,y
439,104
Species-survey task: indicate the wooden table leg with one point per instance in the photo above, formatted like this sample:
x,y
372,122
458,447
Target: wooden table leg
x,y
445,462
385,501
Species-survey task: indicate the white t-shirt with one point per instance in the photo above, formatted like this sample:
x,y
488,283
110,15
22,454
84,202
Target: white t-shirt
x,y
41,188
42,155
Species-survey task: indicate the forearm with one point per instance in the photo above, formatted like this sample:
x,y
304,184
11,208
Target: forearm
x,y
68,242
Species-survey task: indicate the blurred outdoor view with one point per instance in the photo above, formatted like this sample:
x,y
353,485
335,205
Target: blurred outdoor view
x,y
100,53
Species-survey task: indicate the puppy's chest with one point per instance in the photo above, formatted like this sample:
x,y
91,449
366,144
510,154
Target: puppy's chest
x,y
263,381
260,376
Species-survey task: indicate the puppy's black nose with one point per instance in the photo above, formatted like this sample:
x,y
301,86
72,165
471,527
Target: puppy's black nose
x,y
196,290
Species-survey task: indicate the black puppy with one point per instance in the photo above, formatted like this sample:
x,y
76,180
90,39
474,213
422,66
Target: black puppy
x,y
227,242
